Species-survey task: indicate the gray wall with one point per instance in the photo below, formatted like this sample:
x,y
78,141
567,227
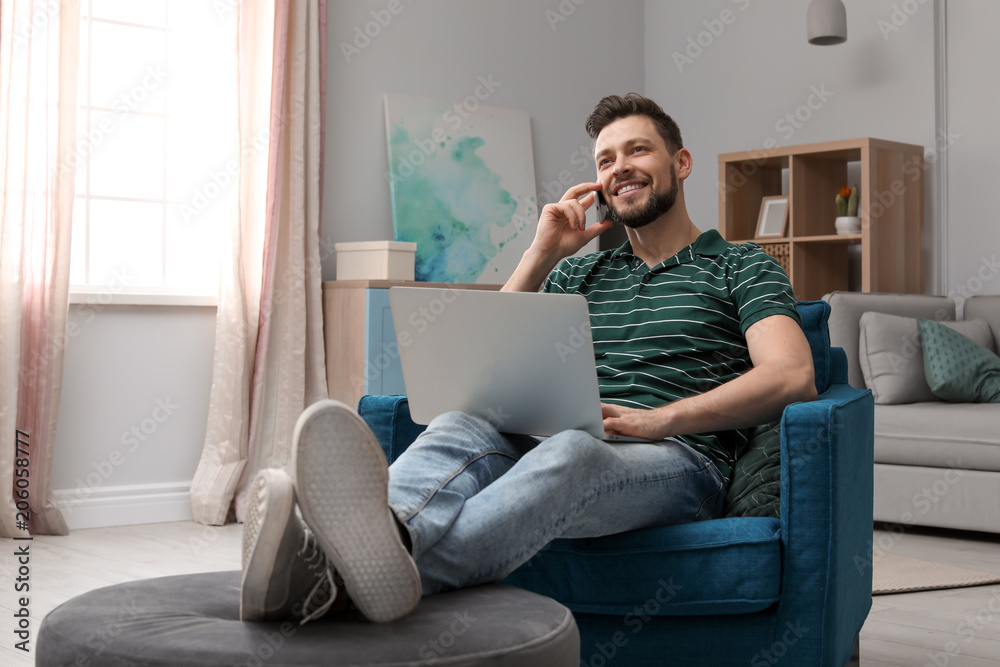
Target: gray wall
x,y
136,380
439,49
750,68
972,228
133,410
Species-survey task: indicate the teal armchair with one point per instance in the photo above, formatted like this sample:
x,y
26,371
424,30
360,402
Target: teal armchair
x,y
747,590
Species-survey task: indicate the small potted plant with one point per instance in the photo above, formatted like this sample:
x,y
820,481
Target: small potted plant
x,y
848,221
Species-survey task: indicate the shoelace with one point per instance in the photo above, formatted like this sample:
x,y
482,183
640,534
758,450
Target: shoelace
x,y
325,583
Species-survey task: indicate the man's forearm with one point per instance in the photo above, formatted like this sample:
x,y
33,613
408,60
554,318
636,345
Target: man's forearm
x,y
530,273
757,397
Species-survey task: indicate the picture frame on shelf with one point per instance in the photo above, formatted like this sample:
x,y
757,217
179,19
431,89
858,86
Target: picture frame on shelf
x,y
773,219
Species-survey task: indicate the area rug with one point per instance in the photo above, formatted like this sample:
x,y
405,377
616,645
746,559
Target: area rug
x,y
892,573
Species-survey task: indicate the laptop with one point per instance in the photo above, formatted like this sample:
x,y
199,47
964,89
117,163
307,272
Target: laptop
x,y
523,361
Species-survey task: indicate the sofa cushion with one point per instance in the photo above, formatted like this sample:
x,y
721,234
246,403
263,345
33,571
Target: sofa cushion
x,y
939,435
889,352
848,307
723,566
985,307
956,368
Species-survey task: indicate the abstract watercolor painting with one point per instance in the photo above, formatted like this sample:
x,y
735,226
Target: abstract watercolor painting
x,y
462,180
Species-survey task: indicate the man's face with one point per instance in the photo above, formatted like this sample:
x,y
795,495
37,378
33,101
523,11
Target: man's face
x,y
636,171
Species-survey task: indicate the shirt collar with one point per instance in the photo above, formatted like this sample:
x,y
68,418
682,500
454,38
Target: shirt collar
x,y
708,244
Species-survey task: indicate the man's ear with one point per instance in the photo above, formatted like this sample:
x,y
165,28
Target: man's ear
x,y
684,163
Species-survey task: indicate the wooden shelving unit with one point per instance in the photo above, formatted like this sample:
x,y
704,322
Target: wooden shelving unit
x,y
891,209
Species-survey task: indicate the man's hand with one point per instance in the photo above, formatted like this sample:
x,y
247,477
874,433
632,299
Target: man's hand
x,y
562,230
562,227
635,423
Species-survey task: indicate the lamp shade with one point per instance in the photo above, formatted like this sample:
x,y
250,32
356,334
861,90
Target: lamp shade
x,y
826,21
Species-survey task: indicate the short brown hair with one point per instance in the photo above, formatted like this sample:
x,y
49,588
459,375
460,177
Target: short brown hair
x,y
614,107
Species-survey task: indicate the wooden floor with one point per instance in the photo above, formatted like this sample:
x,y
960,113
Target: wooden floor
x,y
953,628
958,627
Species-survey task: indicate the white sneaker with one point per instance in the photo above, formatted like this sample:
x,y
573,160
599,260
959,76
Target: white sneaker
x,y
285,573
342,482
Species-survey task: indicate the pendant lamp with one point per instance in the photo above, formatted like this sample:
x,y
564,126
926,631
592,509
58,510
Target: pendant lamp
x,y
827,22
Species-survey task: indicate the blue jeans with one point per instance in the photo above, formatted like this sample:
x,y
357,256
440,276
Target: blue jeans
x,y
478,504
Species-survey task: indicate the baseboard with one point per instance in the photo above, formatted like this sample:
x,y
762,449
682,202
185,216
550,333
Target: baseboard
x,y
125,505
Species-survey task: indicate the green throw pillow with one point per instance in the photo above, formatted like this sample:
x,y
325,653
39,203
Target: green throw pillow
x,y
755,485
958,369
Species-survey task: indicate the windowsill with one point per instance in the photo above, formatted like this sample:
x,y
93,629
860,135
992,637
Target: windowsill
x,y
147,297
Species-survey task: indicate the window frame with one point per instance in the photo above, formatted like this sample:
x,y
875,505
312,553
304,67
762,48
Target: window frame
x,y
117,291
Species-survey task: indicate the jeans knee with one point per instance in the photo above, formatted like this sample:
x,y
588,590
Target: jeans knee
x,y
575,448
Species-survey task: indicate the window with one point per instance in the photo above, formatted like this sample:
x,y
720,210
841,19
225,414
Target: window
x,y
157,145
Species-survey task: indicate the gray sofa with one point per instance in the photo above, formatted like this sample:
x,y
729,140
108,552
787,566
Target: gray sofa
x,y
936,463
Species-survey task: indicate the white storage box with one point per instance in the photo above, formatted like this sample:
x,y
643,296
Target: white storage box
x,y
375,260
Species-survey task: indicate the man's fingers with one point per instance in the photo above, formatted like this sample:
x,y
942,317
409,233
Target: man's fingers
x,y
597,229
579,190
571,211
575,214
608,410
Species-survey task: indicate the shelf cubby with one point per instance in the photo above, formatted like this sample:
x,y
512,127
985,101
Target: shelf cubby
x,y
891,210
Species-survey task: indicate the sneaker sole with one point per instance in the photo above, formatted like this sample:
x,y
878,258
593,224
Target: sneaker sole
x,y
272,496
342,484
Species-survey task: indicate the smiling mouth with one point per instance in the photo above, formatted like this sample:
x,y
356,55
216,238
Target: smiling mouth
x,y
629,190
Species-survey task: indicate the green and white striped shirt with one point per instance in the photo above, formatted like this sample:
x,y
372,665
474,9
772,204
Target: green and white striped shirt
x,y
678,329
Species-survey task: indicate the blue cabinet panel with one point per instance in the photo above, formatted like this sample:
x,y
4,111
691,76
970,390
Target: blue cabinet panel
x,y
383,372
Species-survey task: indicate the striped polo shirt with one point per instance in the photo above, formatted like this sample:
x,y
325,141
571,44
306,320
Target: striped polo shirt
x,y
678,329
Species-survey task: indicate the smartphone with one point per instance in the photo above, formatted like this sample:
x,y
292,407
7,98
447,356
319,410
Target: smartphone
x,y
599,211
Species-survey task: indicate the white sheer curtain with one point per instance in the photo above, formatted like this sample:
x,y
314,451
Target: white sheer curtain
x,y
39,42
269,359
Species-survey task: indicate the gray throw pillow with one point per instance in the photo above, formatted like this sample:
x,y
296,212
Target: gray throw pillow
x,y
891,356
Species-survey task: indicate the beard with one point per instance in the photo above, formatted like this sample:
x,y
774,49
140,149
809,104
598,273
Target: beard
x,y
656,205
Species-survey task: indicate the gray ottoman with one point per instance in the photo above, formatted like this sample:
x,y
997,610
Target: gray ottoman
x,y
194,620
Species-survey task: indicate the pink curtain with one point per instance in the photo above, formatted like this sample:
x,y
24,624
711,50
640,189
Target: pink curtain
x,y
269,359
38,70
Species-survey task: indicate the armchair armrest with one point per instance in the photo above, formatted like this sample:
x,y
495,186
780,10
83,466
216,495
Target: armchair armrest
x,y
827,483
838,366
389,418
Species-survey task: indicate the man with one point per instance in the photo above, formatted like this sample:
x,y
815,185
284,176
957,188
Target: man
x,y
696,340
